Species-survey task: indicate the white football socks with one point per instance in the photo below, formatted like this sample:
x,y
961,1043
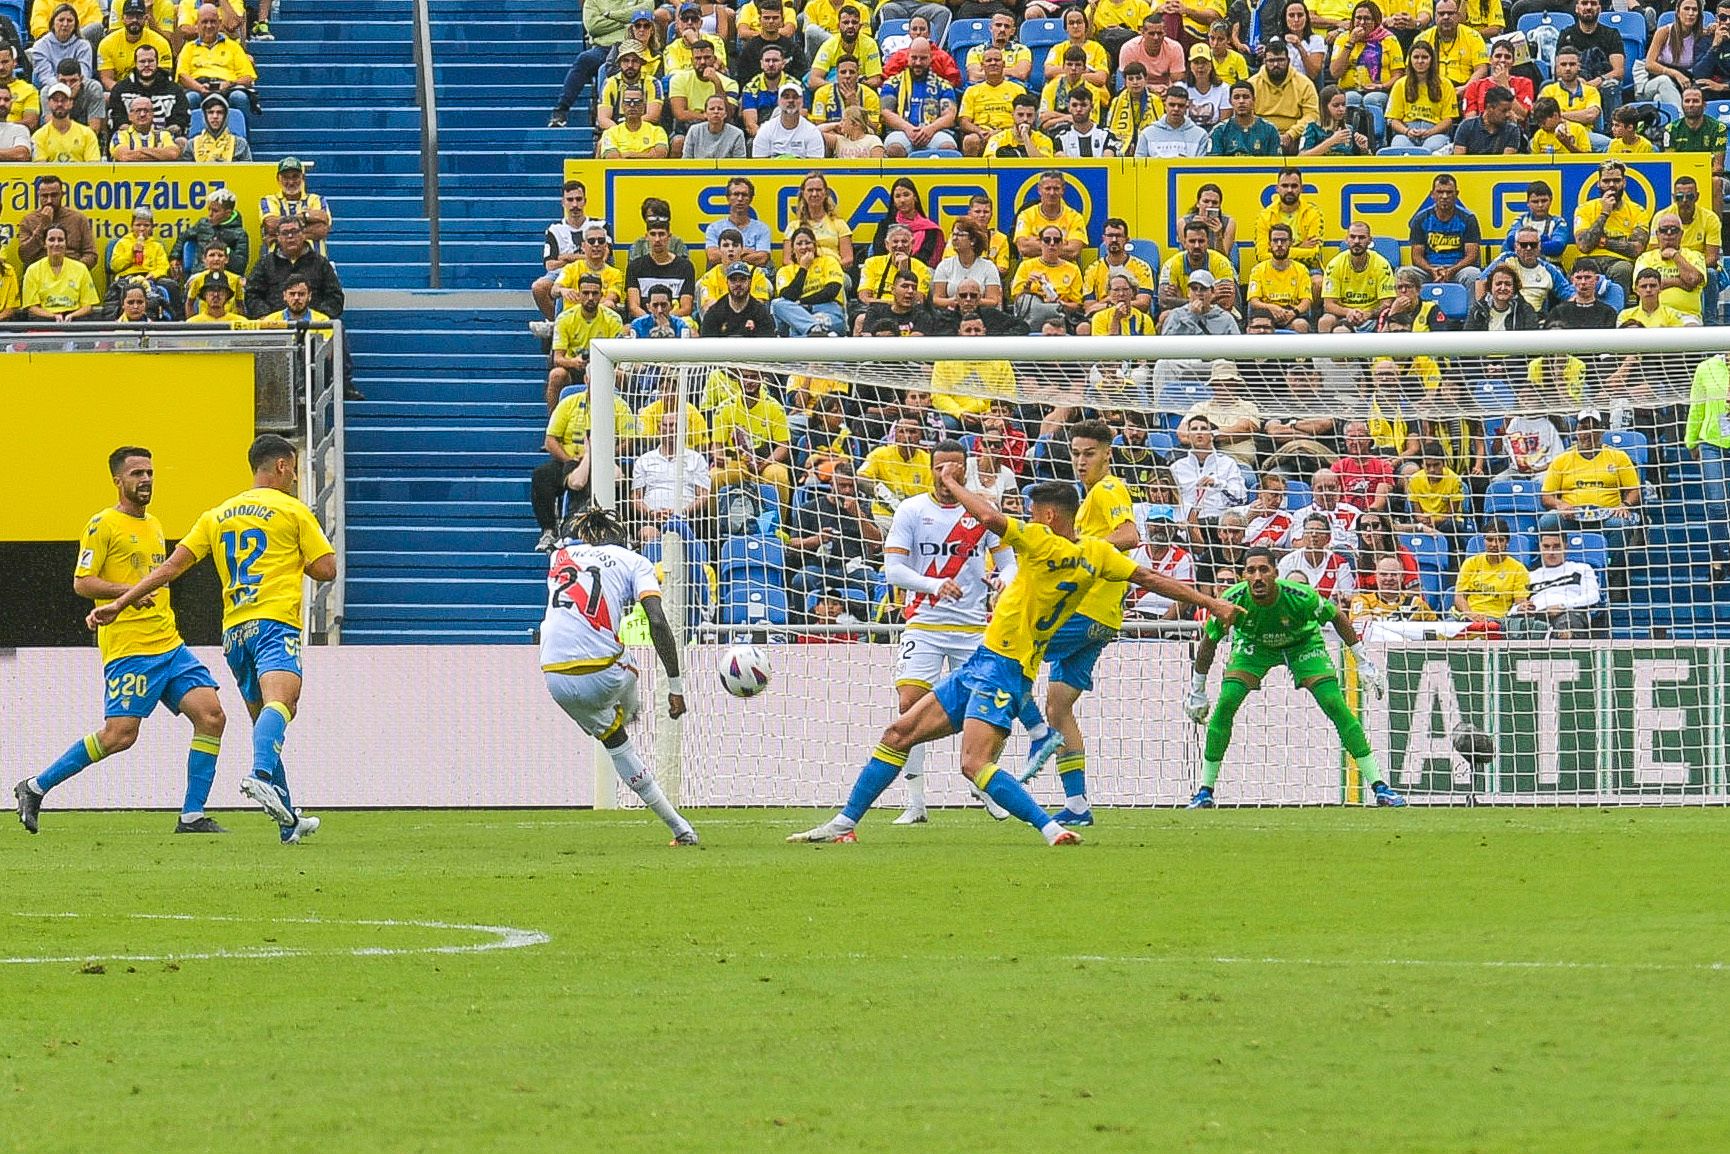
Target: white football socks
x,y
636,775
914,773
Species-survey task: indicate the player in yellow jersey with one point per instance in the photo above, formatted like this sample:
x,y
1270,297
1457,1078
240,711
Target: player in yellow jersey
x,y
1106,515
1054,574
263,540
144,660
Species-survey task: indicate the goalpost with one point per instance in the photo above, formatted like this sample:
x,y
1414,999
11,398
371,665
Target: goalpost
x,y
1619,700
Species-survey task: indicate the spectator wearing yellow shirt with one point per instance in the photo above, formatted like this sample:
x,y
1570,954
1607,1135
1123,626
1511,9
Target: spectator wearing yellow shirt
x,y
1303,221
1096,61
1612,228
1021,138
214,63
1054,112
684,40
1281,286
633,138
1580,100
62,140
138,253
215,257
1356,285
1118,315
57,288
689,90
831,101
667,401
1196,256
1461,53
1625,138
1389,599
984,213
987,106
1436,495
1648,311
230,16
1285,98
595,260
815,208
1367,59
1702,229
576,327
11,296
962,392
216,299
894,472
1228,63
1423,106
116,52
712,285
851,40
1553,134
810,290
1048,286
1492,584
752,440
1134,108
1199,16
1682,273
87,12
1017,58
566,469
1048,212
1114,259
26,106
1485,17
1591,487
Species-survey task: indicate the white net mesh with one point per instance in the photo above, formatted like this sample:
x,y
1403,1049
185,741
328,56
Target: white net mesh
x,y
1529,529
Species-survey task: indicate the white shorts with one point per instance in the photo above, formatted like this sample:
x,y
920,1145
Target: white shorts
x,y
924,652
597,701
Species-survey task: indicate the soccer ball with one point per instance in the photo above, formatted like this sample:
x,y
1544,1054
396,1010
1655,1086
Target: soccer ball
x,y
745,670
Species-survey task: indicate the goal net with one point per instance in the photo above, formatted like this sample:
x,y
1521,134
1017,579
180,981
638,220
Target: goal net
x,y
1529,530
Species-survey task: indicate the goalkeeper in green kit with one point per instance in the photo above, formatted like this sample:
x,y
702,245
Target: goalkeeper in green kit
x,y
1281,625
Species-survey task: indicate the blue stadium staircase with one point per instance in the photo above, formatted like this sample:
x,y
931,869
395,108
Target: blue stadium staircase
x,y
500,167
339,92
440,537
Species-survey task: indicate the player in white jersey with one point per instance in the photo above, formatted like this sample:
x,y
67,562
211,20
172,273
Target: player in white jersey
x,y
935,551
593,582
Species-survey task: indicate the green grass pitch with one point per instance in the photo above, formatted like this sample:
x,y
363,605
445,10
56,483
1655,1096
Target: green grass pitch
x,y
1236,981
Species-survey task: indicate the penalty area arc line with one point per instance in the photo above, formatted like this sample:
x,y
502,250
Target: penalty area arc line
x,y
496,938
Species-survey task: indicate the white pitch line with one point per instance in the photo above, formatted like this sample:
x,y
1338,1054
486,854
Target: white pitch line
x,y
502,938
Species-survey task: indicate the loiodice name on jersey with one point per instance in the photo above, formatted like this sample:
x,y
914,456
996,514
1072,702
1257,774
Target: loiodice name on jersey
x,y
590,591
948,543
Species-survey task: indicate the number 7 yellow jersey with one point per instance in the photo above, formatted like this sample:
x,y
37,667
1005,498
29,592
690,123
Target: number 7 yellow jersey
x,y
262,541
1052,576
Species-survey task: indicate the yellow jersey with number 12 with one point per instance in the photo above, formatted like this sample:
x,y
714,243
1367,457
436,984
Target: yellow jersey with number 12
x,y
1052,577
262,541
122,549
1106,506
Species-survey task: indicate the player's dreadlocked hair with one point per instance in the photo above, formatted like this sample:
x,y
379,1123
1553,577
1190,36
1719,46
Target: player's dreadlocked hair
x,y
597,526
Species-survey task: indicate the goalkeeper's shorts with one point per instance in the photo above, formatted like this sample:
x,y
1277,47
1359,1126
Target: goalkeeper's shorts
x,y
1306,662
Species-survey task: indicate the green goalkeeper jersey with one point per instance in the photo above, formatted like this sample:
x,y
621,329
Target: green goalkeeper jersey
x,y
1294,619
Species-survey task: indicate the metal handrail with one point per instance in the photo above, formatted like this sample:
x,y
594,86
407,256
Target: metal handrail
x,y
426,95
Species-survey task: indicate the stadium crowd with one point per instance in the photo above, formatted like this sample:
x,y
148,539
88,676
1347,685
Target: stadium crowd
x,y
1182,79
153,81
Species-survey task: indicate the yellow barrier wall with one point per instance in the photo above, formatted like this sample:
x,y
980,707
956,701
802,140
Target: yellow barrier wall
x,y
1152,195
65,412
107,194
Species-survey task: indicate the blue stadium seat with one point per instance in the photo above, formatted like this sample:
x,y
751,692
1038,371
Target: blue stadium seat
x,y
1556,20
1706,18
1178,396
1632,27
1719,110
1518,502
1452,300
14,10
1039,36
1403,150
1143,249
890,28
933,154
752,586
1431,553
1592,548
962,35
1495,397
1163,442
1630,442
1388,247
1297,494
236,122
1613,293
